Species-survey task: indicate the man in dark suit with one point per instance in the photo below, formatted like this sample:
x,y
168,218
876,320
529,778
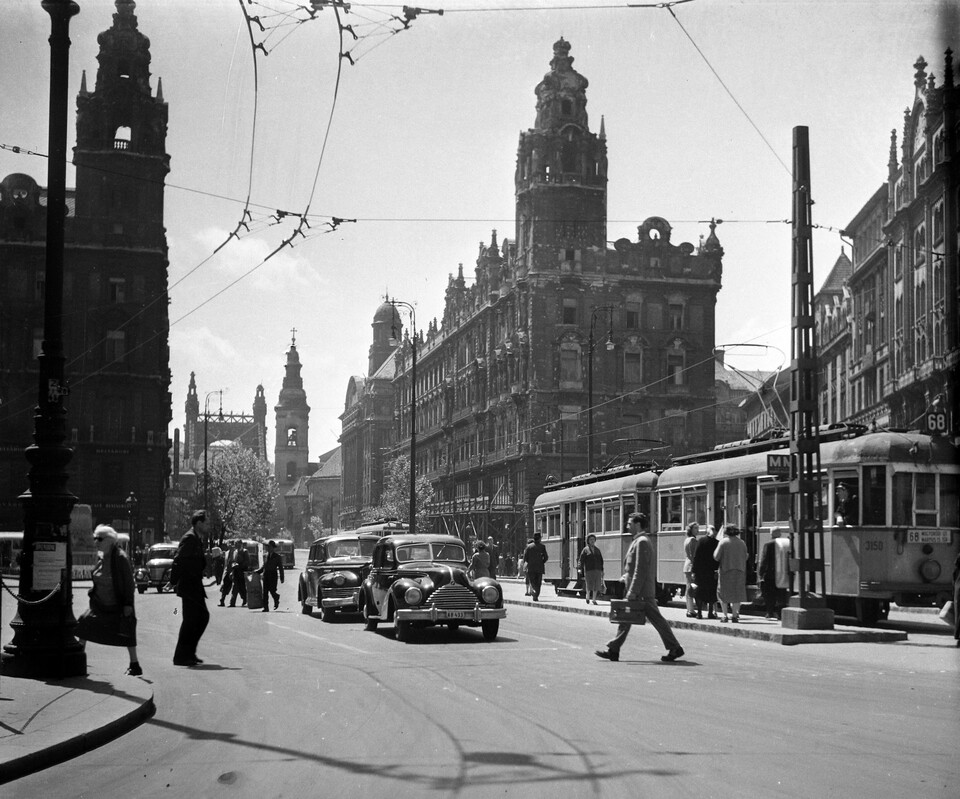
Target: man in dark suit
x,y
187,577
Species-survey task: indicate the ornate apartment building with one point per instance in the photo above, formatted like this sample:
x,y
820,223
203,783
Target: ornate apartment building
x,y
888,331
555,323
115,328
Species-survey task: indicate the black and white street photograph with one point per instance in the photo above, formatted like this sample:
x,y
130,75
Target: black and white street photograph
x,y
518,398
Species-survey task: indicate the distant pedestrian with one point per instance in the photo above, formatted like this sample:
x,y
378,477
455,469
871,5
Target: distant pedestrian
x,y
272,570
522,569
238,573
480,562
535,559
494,552
110,619
218,562
774,573
689,548
227,585
732,555
640,586
186,574
590,563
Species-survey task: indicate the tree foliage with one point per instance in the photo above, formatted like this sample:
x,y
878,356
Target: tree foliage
x,y
242,491
395,500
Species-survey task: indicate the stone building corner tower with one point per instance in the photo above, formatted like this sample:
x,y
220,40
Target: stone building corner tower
x,y
561,177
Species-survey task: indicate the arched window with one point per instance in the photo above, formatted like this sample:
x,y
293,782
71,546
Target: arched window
x,y
121,139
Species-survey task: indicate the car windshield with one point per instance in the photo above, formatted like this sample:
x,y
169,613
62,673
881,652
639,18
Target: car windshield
x,y
431,552
350,548
161,552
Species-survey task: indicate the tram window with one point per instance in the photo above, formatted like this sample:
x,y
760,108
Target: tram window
x,y
774,504
628,508
595,519
670,507
903,500
874,495
926,500
949,500
696,508
610,513
846,505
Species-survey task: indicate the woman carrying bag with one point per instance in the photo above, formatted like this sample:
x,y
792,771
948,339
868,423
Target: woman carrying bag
x,y
110,619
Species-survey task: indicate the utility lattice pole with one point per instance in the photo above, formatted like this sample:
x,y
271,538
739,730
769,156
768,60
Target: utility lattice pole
x,y
807,610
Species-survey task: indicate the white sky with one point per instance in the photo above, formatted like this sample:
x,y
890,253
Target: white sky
x,y
422,150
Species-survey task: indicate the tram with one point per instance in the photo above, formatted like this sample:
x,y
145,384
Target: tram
x,y
592,504
889,503
891,515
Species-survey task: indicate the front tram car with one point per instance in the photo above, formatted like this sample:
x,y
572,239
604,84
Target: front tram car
x,y
889,507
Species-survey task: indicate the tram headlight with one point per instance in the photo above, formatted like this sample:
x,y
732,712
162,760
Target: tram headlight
x,y
930,571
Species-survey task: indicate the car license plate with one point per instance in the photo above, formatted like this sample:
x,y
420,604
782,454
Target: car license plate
x,y
458,614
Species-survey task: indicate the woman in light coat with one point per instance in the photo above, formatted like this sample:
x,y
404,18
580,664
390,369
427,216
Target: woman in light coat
x,y
731,554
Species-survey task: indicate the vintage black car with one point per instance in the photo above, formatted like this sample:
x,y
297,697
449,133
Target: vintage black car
x,y
421,580
155,572
336,566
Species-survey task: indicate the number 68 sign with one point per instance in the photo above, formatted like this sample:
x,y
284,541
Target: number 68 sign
x,y
936,423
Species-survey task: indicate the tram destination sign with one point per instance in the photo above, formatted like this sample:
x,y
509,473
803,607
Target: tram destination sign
x,y
778,464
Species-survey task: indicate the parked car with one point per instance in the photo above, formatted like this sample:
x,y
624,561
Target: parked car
x,y
155,572
336,566
421,580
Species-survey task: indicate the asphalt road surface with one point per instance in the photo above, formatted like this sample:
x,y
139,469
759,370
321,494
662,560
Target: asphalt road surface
x,y
286,705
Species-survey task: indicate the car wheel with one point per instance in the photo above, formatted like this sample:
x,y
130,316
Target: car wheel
x,y
490,629
142,589
159,589
402,629
325,615
305,609
368,622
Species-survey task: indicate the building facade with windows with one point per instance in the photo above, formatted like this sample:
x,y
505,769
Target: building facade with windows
x,y
554,323
116,326
895,353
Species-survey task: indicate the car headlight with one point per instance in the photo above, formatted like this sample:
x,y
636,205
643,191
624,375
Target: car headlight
x,y
490,594
413,596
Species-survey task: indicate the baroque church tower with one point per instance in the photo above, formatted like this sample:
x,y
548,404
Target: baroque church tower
x,y
291,453
561,177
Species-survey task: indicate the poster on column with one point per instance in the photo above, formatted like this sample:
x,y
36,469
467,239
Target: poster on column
x,y
49,561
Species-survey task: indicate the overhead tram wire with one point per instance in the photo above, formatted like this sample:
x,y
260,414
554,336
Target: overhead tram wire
x,y
727,89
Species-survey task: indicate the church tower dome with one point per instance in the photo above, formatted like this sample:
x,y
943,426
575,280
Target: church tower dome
x,y
386,325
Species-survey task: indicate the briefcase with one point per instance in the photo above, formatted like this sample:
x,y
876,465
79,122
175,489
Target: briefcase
x,y
623,611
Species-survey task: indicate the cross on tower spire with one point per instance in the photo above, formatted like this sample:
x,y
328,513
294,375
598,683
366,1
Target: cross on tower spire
x,y
293,334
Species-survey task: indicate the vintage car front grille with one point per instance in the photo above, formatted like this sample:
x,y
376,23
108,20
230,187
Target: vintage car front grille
x,y
156,572
347,592
454,597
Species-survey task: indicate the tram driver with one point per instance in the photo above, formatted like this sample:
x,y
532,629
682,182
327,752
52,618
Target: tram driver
x,y
845,508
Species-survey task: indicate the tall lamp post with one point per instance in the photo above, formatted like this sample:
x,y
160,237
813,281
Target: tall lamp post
x,y
607,309
413,407
43,644
131,502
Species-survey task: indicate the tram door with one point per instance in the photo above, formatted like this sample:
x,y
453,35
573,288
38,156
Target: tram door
x,y
750,506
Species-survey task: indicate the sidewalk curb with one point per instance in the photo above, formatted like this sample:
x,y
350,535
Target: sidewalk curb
x,y
76,745
777,635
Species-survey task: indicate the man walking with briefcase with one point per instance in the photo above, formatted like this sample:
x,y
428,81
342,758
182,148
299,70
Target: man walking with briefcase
x,y
640,588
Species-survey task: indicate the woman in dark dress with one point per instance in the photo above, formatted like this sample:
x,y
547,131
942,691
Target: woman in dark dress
x,y
110,619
